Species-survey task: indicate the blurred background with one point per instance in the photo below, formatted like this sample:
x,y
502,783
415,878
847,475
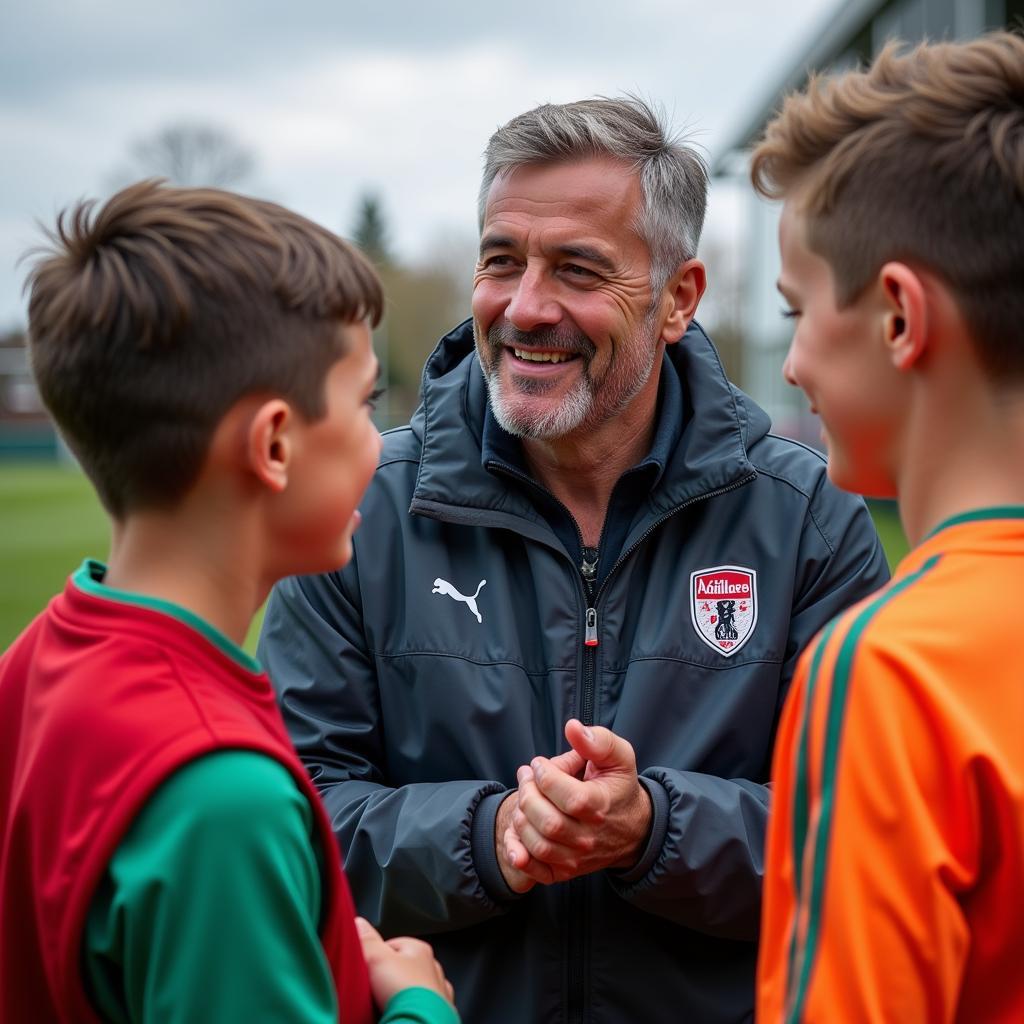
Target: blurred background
x,y
371,119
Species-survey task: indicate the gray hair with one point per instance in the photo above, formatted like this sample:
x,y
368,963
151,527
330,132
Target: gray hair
x,y
673,176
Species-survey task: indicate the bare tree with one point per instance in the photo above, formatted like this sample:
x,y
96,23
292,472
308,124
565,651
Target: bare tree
x,y
190,154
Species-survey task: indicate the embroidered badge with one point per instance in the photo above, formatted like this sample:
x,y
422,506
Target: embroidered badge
x,y
723,606
444,587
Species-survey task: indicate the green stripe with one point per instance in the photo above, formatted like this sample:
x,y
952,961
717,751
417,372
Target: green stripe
x,y
89,578
979,515
801,786
833,732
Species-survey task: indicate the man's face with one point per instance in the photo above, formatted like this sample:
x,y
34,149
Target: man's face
x,y
561,297
838,358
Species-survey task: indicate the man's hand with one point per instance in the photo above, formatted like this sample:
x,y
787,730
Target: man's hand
x,y
520,871
577,813
507,847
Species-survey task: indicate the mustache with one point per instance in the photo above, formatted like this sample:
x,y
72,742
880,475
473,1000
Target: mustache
x,y
554,339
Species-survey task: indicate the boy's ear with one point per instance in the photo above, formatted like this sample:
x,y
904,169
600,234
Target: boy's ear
x,y
905,309
685,288
270,444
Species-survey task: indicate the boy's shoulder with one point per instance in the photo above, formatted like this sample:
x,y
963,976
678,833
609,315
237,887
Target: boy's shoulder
x,y
930,631
95,670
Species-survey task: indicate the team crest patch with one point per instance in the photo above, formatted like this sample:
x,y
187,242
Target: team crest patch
x,y
723,606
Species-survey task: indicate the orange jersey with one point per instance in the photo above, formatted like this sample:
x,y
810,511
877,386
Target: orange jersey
x,y
895,861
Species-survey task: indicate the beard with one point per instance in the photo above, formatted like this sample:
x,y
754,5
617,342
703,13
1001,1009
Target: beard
x,y
590,402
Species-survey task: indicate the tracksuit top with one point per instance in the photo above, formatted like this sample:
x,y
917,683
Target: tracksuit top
x,y
895,852
464,633
101,701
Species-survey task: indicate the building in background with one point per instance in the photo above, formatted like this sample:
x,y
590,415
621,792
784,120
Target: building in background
x,y
26,431
855,33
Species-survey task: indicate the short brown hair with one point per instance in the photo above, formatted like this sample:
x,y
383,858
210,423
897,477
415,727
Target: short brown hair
x,y
150,318
920,158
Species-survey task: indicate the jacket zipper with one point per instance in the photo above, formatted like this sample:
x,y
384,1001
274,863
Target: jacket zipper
x,y
578,906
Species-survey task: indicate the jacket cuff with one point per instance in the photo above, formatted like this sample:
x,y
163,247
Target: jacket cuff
x,y
656,837
485,854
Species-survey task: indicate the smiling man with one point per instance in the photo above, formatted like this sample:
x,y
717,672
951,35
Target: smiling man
x,y
540,702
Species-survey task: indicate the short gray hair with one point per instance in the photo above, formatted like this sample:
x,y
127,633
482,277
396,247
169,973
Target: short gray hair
x,y
673,176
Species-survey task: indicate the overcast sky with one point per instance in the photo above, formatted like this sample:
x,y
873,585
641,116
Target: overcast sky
x,y
335,98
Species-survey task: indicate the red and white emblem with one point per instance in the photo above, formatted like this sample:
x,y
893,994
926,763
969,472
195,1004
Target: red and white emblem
x,y
723,606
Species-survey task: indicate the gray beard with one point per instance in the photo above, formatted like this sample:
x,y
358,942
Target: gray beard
x,y
579,408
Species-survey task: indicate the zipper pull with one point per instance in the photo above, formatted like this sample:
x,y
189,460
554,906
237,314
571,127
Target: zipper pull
x,y
590,639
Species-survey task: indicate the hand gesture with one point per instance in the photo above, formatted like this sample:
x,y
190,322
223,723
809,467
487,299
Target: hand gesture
x,y
580,812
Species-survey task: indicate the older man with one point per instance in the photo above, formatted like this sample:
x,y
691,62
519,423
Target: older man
x,y
541,700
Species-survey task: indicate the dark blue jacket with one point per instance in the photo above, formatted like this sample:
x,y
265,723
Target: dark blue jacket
x,y
412,715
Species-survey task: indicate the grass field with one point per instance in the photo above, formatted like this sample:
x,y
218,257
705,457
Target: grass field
x,y
50,520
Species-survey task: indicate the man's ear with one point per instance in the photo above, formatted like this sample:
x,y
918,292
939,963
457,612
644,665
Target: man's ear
x,y
682,294
906,314
270,443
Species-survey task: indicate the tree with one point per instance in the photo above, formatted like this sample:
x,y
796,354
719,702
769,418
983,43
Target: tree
x,y
370,231
190,155
421,304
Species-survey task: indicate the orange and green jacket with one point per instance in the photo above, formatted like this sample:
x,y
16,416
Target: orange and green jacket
x,y
895,856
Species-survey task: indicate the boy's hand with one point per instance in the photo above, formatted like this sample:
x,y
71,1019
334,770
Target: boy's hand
x,y
397,964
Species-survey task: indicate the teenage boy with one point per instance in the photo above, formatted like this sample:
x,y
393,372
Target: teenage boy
x,y
895,860
163,854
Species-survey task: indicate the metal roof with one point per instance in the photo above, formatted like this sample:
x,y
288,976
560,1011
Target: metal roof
x,y
838,32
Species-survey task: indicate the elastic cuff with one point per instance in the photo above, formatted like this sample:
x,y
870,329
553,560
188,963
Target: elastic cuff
x,y
656,838
419,1004
485,854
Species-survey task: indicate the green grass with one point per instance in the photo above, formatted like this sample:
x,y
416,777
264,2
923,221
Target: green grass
x,y
890,531
50,520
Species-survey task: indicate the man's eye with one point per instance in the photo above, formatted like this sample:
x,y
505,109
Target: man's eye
x,y
789,314
575,270
496,262
374,395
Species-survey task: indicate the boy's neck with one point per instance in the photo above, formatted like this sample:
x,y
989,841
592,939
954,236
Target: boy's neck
x,y
962,453
194,561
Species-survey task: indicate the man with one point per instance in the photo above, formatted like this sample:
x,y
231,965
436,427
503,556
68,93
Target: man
x,y
585,532
895,859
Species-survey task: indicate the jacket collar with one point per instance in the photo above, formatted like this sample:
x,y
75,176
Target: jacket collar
x,y
711,454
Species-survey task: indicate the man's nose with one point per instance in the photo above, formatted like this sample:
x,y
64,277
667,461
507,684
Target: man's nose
x,y
533,304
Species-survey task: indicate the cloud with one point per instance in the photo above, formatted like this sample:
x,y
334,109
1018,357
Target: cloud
x,y
333,99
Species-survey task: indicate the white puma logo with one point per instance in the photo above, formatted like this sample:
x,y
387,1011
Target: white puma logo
x,y
444,587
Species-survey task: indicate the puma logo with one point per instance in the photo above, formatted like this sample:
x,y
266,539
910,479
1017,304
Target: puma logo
x,y
444,587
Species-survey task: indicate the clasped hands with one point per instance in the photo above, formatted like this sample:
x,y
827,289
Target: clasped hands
x,y
580,812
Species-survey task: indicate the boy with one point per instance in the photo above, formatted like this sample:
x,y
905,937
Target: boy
x,y
895,860
164,855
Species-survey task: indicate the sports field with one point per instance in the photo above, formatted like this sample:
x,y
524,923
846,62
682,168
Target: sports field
x,y
50,520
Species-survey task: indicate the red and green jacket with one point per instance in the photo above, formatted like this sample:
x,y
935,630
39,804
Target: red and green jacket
x,y
102,701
